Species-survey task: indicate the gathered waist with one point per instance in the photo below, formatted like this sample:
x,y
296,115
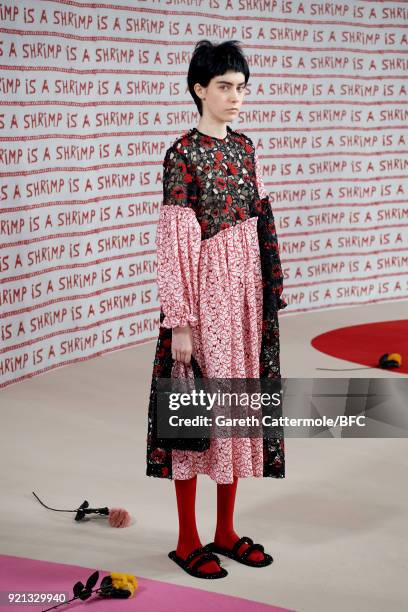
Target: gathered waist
x,y
249,226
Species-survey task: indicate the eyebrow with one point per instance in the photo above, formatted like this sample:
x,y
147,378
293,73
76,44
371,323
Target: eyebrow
x,y
229,83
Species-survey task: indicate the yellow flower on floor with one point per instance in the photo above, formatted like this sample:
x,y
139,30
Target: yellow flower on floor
x,y
124,582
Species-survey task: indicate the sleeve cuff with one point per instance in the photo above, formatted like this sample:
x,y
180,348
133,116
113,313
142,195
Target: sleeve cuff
x,y
179,319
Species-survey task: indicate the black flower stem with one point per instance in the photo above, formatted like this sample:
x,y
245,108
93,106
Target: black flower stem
x,y
56,509
64,603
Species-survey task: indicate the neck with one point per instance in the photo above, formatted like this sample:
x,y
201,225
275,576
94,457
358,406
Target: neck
x,y
212,128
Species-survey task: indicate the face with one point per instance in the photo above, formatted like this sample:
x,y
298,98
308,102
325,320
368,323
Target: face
x,y
223,93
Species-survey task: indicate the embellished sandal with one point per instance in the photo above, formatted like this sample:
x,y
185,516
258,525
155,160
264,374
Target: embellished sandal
x,y
193,570
243,557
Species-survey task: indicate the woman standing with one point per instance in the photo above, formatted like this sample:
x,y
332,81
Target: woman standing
x,y
220,285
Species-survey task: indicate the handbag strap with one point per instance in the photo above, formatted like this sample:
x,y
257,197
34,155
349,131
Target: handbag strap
x,y
169,363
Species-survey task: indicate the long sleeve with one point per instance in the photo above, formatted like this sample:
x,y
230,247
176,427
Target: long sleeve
x,y
268,242
178,241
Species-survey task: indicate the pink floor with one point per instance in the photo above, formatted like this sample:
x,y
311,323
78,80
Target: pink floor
x,y
19,574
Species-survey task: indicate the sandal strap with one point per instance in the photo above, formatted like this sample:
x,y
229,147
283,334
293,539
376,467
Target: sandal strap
x,y
194,553
204,559
250,549
239,542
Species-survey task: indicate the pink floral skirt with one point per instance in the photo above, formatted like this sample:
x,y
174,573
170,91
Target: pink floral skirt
x,y
227,343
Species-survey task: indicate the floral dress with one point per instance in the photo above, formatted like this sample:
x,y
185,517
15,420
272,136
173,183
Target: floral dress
x,y
219,271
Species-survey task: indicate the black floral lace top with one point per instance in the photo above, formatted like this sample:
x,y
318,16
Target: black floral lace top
x,y
220,179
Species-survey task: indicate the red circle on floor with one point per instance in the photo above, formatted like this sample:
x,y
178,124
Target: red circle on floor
x,y
364,344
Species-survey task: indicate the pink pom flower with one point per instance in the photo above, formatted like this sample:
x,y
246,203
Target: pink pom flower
x,y
119,517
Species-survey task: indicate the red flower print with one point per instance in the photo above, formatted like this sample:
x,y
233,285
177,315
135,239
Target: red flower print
x,y
178,192
158,455
248,147
206,141
248,163
240,212
228,198
182,166
224,225
232,167
220,182
238,138
165,471
219,155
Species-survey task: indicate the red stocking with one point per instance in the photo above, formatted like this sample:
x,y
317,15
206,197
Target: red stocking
x,y
225,535
188,535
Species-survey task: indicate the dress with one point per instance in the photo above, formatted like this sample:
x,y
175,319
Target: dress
x,y
219,271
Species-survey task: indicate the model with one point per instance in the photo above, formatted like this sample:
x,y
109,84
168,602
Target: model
x,y
220,283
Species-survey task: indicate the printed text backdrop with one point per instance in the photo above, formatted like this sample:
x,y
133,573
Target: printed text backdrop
x,y
92,95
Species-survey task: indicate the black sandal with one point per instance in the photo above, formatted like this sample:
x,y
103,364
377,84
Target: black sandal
x,y
243,557
193,570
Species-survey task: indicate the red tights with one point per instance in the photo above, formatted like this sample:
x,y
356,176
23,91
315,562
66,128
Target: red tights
x,y
225,535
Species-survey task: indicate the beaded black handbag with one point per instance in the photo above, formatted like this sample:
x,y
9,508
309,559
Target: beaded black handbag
x,y
194,444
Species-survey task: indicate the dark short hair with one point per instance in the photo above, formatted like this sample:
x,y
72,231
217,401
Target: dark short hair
x,y
210,60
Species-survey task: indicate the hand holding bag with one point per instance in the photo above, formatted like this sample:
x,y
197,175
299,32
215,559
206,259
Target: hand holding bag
x,y
190,371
